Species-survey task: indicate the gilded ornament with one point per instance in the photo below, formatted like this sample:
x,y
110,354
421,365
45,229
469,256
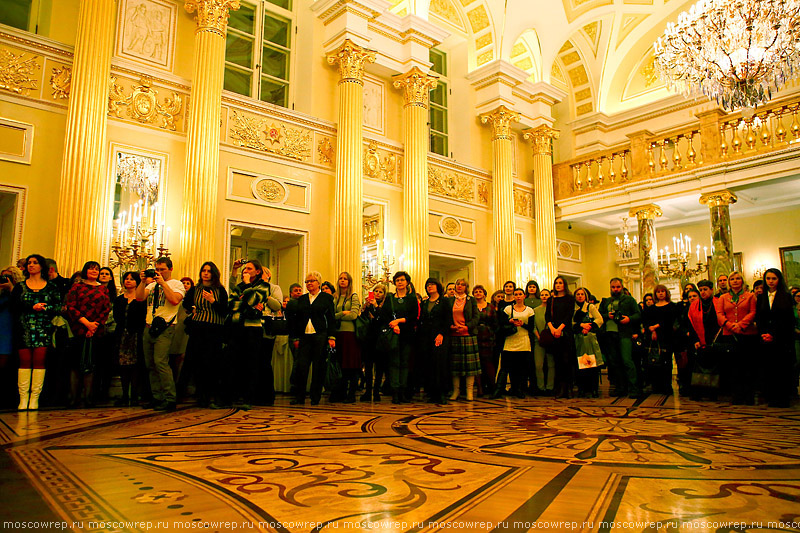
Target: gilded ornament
x,y
717,199
273,134
212,15
351,59
251,132
247,131
61,82
416,86
450,184
142,104
523,204
325,151
450,226
501,119
541,138
16,73
116,98
646,212
270,190
483,193
377,168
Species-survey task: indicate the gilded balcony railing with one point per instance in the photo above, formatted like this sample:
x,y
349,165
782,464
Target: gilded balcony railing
x,y
673,153
605,169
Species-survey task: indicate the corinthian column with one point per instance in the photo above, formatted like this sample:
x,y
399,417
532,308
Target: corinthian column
x,y
416,86
502,193
721,236
198,222
648,248
541,138
82,224
348,197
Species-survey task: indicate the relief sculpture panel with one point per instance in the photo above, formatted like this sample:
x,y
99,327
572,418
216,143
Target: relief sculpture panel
x,y
523,204
451,184
380,166
18,72
142,104
276,138
147,33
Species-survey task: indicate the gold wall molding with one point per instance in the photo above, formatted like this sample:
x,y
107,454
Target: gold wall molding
x,y
569,250
351,59
18,73
212,15
326,151
541,138
380,166
416,86
523,203
253,132
142,104
483,193
61,82
720,198
450,226
269,190
450,184
501,119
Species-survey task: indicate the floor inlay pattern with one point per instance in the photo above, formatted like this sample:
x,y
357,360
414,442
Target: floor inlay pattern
x,y
653,465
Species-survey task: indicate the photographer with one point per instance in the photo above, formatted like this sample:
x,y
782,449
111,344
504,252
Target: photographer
x,y
621,316
8,279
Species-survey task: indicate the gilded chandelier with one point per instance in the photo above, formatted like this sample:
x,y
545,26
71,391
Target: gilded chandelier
x,y
626,246
736,52
676,263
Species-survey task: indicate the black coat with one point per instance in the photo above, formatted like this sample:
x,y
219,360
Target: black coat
x,y
321,313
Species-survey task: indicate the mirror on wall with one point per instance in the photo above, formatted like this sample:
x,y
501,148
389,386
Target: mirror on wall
x,y
8,227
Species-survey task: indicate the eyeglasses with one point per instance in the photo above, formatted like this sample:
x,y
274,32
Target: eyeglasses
x,y
310,280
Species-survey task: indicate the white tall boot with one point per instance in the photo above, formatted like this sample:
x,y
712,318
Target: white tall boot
x,y
470,385
456,387
36,388
24,385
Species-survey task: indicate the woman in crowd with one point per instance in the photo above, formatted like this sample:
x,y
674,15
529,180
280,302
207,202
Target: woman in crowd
x,y
105,346
683,344
327,287
517,321
540,354
658,322
486,336
508,295
532,300
129,315
8,280
401,312
560,308
647,301
374,362
246,338
274,325
586,323
348,307
463,317
775,320
206,305
758,287
88,305
35,302
434,325
736,314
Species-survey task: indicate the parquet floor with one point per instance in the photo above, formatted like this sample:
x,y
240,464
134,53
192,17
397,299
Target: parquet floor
x,y
660,464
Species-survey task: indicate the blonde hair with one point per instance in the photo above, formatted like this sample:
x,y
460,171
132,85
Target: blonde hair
x,y
349,291
16,273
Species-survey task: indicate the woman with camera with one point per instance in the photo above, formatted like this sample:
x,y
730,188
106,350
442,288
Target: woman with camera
x,y
35,302
374,361
401,312
8,279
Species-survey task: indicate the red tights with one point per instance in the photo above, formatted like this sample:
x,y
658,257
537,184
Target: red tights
x,y
32,357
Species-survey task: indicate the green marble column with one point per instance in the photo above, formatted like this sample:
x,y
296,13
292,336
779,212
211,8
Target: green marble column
x,y
721,236
648,248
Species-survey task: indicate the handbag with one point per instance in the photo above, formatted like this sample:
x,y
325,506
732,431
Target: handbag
x,y
508,329
189,325
656,355
333,370
546,338
361,325
158,325
589,357
388,341
275,325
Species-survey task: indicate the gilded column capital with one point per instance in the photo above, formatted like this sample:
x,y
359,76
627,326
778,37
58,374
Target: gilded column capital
x,y
416,86
501,119
351,59
212,15
646,212
719,198
541,138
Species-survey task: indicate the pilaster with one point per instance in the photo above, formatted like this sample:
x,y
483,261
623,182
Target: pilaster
x,y
719,203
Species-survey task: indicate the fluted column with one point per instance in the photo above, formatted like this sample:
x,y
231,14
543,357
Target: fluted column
x,y
541,138
349,193
82,223
648,247
721,237
199,218
502,193
416,86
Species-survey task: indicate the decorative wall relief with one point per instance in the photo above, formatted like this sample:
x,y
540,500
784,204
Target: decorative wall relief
x,y
483,193
373,104
147,33
142,104
253,132
326,151
569,250
269,190
18,74
523,204
451,184
61,82
377,167
450,226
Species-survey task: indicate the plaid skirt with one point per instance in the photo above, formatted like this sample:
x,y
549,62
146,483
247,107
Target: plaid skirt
x,y
464,360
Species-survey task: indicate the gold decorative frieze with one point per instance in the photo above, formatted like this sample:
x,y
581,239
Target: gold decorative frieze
x,y
523,204
142,104
450,184
253,132
326,151
483,193
61,82
501,119
17,74
378,166
416,86
541,138
716,199
351,59
212,15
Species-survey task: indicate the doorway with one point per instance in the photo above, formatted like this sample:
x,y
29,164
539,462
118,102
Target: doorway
x,y
10,226
448,268
281,251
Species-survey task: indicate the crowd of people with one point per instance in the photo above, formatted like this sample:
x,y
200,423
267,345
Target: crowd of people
x,y
67,338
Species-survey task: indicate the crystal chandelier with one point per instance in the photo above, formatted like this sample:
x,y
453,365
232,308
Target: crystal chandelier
x,y
736,52
626,245
677,263
139,174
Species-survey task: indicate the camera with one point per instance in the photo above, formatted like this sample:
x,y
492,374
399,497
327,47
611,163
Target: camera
x,y
4,278
150,273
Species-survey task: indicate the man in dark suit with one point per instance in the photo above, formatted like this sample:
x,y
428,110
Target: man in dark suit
x,y
312,328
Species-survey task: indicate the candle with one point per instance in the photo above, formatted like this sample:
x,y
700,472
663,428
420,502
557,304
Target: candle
x,y
166,242
666,248
705,251
698,253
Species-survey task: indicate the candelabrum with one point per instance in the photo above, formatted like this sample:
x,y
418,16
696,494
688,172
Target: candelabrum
x,y
678,266
139,239
382,267
626,246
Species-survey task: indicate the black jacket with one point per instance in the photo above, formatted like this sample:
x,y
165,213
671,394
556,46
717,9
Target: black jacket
x,y
321,313
436,321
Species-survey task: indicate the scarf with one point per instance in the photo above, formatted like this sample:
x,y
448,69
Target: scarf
x,y
735,295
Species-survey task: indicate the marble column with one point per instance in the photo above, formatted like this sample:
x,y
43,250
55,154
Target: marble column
x,y
82,222
648,247
416,86
541,139
721,237
199,217
348,210
502,193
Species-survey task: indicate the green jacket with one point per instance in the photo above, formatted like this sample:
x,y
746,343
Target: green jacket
x,y
626,306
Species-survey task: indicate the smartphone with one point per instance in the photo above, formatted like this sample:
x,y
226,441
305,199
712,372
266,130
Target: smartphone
x,y
206,289
371,295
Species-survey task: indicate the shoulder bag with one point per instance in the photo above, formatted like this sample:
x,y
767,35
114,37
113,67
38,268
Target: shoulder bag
x,y
158,325
388,341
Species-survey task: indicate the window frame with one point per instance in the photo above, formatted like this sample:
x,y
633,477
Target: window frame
x,y
34,17
444,82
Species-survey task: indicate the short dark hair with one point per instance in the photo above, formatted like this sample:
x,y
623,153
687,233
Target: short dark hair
x,y
480,287
88,265
51,263
293,285
164,260
616,279
133,274
42,262
187,278
215,274
758,283
528,285
512,282
705,283
329,285
257,265
436,282
401,273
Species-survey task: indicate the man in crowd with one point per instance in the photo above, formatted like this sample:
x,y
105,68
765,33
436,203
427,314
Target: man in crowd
x,y
621,315
722,285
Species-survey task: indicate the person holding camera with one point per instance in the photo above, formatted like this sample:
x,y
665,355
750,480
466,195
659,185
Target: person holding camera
x,y
7,281
163,295
35,301
621,316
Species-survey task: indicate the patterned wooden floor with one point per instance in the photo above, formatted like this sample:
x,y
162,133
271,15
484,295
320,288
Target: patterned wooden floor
x,y
653,465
